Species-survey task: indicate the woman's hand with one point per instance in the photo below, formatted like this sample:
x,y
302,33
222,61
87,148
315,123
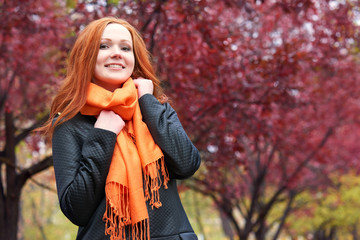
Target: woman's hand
x,y
109,120
144,86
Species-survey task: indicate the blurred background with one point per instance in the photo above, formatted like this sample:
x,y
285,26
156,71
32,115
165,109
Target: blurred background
x,y
268,91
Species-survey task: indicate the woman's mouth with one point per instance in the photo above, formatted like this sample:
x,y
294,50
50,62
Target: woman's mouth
x,y
118,66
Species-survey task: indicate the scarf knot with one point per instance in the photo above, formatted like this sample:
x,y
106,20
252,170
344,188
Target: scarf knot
x,y
136,160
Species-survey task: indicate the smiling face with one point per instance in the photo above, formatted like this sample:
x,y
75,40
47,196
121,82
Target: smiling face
x,y
115,61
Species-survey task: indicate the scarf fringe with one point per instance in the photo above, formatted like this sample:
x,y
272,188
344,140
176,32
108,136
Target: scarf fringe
x,y
152,178
117,219
139,231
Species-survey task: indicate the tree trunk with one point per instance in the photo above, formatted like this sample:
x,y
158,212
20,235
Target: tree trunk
x,y
2,203
320,234
355,232
10,208
11,215
198,215
292,195
226,209
12,183
244,236
226,225
261,231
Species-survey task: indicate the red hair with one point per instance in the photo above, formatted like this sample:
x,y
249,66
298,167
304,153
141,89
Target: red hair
x,y
71,96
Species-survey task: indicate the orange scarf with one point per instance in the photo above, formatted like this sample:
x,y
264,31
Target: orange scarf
x,y
135,156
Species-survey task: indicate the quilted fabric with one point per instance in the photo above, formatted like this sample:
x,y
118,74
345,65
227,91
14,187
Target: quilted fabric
x,y
82,156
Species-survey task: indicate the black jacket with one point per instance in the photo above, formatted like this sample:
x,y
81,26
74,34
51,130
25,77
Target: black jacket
x,y
82,156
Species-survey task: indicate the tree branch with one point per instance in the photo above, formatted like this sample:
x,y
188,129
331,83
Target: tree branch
x,y
154,13
28,130
42,185
7,161
328,133
4,94
282,187
285,214
25,174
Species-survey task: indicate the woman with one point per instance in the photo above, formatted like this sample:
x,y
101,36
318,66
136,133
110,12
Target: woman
x,y
118,146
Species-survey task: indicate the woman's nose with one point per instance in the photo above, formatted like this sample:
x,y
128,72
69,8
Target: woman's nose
x,y
116,53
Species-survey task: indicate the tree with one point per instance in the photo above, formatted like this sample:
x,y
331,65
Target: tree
x,y
30,56
279,84
262,88
330,213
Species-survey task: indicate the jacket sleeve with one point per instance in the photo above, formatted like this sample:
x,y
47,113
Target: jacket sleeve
x,y
81,169
181,156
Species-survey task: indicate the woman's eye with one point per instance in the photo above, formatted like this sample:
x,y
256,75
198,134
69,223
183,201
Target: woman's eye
x,y
126,49
103,46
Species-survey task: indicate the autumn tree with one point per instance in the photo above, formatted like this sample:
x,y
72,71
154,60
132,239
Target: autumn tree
x,y
262,88
31,35
330,213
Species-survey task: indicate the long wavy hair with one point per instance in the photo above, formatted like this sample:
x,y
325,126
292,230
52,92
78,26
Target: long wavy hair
x,y
71,96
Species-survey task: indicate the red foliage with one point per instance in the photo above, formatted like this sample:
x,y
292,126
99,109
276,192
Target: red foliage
x,y
271,89
269,92
31,34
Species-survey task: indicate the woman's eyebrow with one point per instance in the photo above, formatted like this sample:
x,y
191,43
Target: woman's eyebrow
x,y
110,40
